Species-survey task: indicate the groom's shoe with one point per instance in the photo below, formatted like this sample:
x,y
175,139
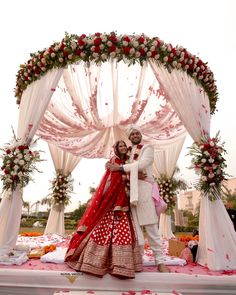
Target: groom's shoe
x,y
162,268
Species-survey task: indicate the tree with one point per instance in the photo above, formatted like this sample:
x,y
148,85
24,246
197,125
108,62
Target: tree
x,y
26,205
229,198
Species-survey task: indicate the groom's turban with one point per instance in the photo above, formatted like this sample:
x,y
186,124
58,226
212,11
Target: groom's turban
x,y
131,128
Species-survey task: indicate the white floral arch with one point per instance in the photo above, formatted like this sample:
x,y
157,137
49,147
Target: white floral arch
x,y
81,93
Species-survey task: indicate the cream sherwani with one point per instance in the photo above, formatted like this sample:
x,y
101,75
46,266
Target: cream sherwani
x,y
142,204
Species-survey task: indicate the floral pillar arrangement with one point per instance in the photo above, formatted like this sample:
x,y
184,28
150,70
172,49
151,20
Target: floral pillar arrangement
x,y
167,187
18,165
61,188
209,163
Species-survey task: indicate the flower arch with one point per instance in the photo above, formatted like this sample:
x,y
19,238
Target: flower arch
x,y
81,93
131,49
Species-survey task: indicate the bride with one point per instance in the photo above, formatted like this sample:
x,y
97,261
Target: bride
x,y
105,241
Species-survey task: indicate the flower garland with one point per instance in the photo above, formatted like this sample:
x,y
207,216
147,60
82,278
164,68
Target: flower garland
x,y
167,187
209,163
61,189
136,154
101,47
18,163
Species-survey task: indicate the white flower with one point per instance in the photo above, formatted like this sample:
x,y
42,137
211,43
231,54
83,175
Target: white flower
x,y
206,153
125,43
135,43
174,63
104,56
16,167
212,143
203,160
149,53
132,51
113,54
204,178
61,59
21,162
165,59
211,160
104,38
16,161
137,54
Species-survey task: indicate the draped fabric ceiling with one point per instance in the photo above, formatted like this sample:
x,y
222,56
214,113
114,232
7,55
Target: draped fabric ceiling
x,y
92,105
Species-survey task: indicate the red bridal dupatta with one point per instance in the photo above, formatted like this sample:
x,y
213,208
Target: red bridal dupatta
x,y
105,241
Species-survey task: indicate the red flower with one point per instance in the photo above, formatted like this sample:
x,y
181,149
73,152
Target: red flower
x,y
142,51
6,171
78,51
126,38
141,40
154,53
62,47
170,59
113,38
97,41
8,151
173,50
81,43
97,34
126,50
96,49
112,48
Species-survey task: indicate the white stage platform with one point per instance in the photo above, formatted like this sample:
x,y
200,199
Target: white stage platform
x,y
39,282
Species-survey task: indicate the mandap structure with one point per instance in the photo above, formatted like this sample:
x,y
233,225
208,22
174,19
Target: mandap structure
x,y
80,94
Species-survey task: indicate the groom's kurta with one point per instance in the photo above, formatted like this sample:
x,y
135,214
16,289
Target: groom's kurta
x,y
144,208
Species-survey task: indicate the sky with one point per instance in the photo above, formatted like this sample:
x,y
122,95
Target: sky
x,y
207,28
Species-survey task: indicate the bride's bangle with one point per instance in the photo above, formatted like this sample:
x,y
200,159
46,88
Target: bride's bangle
x,y
121,169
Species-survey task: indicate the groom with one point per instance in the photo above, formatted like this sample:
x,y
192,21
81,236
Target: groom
x,y
142,206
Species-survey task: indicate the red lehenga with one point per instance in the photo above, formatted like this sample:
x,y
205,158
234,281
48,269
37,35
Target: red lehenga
x,y
105,241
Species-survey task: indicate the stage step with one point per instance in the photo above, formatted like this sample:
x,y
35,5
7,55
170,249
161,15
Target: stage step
x,y
64,292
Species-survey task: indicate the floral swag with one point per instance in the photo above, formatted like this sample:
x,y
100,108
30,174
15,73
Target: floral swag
x,y
61,189
209,163
18,165
167,187
101,47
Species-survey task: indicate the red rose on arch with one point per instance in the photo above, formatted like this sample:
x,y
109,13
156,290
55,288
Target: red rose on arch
x,y
126,38
8,151
126,50
81,43
142,51
113,38
97,49
112,48
141,40
97,41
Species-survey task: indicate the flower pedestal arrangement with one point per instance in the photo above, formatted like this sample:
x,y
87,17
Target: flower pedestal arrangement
x,y
217,243
18,164
60,197
167,187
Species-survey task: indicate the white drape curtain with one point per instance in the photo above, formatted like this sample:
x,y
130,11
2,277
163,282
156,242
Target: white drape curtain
x,y
64,163
93,104
166,154
34,102
217,245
